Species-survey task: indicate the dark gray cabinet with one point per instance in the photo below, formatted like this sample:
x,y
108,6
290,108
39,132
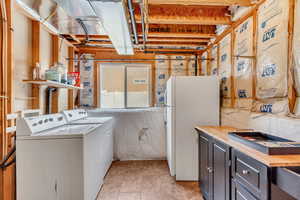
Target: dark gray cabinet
x,y
204,165
228,174
214,168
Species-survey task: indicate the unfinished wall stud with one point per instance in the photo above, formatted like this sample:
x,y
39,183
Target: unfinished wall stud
x,y
71,54
36,31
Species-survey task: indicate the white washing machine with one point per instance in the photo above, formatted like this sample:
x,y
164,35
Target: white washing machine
x,y
80,116
59,161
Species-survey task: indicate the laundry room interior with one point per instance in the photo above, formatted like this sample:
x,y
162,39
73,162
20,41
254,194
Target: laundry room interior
x,y
150,100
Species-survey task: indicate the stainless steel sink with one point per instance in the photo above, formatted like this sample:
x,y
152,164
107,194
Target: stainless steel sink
x,y
268,144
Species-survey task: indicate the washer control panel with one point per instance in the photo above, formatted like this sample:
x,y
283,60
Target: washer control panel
x,y
73,115
44,122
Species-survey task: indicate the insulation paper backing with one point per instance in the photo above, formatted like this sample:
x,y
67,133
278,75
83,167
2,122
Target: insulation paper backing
x,y
178,66
214,60
225,66
162,75
274,106
204,58
272,49
243,46
139,134
87,80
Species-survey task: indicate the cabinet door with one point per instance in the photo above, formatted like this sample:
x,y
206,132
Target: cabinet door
x,y
220,164
204,165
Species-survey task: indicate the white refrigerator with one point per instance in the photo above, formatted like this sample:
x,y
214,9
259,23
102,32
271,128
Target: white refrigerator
x,y
190,101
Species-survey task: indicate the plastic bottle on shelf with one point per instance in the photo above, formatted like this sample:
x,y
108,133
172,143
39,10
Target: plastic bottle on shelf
x,y
36,73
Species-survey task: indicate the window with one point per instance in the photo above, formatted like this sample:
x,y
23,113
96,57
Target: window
x,y
124,86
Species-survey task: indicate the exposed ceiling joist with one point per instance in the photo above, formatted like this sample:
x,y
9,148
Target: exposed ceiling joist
x,y
200,20
158,43
102,49
92,37
174,14
182,44
203,2
153,39
180,35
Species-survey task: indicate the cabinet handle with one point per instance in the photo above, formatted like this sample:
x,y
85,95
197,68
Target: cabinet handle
x,y
209,169
245,172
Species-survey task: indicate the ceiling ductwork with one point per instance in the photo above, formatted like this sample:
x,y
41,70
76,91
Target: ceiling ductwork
x,y
77,17
115,23
107,16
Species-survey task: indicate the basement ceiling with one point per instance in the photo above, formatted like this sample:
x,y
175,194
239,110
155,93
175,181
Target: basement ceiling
x,y
154,24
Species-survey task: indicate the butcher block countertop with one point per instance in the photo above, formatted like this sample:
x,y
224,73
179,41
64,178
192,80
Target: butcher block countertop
x,y
221,133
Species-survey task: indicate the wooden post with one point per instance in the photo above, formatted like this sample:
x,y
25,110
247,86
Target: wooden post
x,y
199,62
187,62
254,67
36,39
9,174
55,49
208,67
291,86
153,82
55,59
169,65
71,55
96,84
232,68
3,92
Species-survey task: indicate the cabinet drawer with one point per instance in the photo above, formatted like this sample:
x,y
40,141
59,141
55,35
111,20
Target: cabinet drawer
x,y
240,193
247,172
251,174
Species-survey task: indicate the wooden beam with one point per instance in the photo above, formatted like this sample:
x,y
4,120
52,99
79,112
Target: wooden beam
x,y
198,15
55,59
55,49
91,37
203,2
176,51
210,20
181,35
36,39
255,36
10,172
153,83
3,92
71,68
175,45
153,39
96,85
186,43
291,84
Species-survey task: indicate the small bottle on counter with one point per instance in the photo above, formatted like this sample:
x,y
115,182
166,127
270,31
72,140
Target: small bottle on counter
x,y
36,75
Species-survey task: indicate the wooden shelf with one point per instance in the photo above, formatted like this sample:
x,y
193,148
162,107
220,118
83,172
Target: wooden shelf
x,y
52,84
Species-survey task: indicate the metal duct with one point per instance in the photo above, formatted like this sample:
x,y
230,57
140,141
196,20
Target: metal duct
x,y
52,15
114,21
99,17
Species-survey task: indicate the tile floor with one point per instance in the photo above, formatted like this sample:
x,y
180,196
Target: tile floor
x,y
145,180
